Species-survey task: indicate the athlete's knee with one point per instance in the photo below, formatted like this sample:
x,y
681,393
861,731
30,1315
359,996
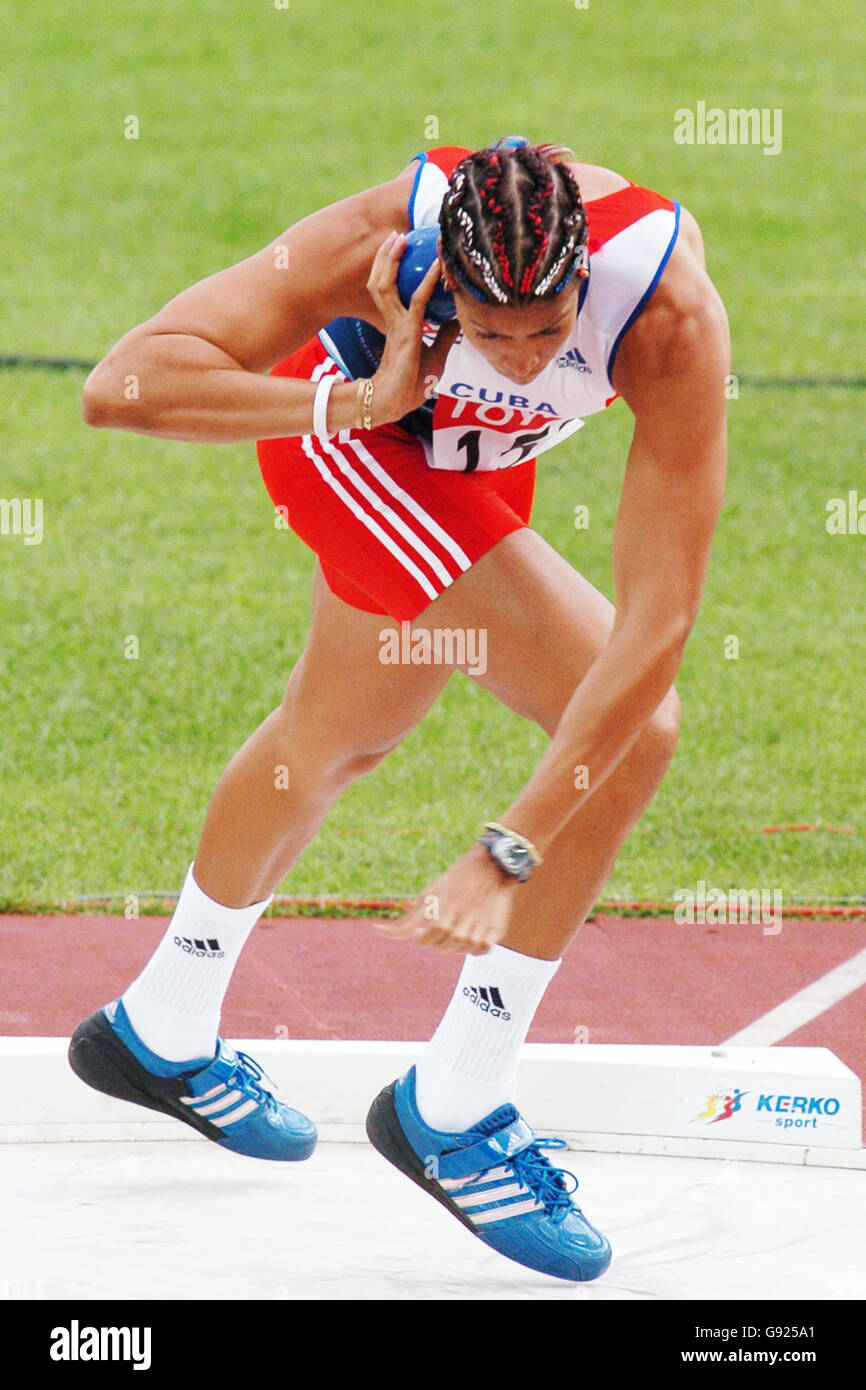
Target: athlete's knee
x,y
657,744
668,717
350,764
326,756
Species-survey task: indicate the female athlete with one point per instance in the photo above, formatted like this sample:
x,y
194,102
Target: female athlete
x,y
407,465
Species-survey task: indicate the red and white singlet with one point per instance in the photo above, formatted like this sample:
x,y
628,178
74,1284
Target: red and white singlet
x,y
481,420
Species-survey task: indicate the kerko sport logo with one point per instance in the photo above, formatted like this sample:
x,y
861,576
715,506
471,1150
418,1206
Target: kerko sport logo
x,y
795,1110
488,1000
788,1112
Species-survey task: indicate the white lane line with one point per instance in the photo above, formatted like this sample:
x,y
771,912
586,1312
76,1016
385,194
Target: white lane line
x,y
803,1006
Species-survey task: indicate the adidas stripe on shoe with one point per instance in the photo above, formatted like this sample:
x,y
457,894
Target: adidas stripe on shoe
x,y
495,1179
221,1097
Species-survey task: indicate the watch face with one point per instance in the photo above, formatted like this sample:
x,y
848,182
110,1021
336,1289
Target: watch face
x,y
513,859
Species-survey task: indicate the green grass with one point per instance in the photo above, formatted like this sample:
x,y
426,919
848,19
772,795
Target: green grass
x,y
248,121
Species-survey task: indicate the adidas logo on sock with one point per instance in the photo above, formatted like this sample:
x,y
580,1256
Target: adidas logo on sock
x,y
194,947
488,999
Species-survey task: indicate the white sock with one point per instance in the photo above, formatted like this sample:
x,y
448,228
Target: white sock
x,y
469,1068
174,1005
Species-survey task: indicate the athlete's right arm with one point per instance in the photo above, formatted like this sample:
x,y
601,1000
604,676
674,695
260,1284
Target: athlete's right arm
x,y
197,369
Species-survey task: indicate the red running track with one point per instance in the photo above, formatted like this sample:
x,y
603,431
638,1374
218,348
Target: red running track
x,y
623,981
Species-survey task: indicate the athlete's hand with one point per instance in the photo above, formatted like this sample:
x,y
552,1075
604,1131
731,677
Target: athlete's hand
x,y
467,909
409,372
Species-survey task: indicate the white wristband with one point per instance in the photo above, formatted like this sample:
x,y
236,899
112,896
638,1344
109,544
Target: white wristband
x,y
320,406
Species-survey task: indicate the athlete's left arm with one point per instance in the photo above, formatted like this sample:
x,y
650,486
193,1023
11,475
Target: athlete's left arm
x,y
671,371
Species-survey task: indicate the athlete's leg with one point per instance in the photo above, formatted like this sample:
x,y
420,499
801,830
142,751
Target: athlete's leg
x,y
545,625
451,1123
158,1045
342,712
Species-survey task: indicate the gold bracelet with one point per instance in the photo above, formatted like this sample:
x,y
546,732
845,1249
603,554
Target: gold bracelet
x,y
518,839
358,417
367,405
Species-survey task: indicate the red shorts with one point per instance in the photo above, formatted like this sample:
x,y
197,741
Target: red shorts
x,y
390,532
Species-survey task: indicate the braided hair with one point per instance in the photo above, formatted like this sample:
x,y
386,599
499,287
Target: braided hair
x,y
513,224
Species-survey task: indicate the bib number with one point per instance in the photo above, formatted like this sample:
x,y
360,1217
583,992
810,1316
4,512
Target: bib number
x,y
523,446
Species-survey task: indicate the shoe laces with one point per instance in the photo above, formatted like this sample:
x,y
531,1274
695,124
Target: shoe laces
x,y
547,1184
247,1076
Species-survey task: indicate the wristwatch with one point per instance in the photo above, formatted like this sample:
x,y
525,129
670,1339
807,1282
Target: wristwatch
x,y
515,856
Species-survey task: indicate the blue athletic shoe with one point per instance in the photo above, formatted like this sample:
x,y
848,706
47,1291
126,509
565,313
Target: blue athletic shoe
x,y
222,1097
495,1180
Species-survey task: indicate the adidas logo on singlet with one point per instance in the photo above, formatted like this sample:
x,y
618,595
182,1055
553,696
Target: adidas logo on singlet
x,y
573,358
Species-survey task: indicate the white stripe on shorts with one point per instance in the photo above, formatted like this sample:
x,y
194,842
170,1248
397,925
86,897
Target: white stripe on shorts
x,y
373,526
380,505
410,504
